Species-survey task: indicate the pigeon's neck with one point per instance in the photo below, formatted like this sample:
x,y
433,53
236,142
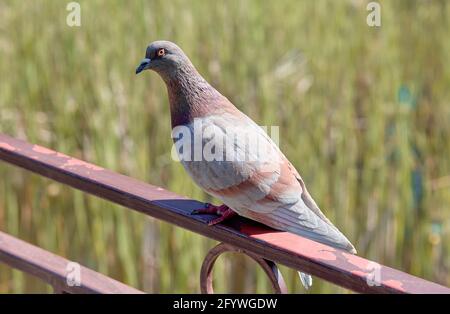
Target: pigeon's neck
x,y
190,95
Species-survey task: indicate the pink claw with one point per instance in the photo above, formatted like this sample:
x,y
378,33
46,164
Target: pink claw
x,y
223,211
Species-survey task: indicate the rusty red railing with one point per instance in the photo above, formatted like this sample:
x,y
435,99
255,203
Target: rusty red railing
x,y
266,246
53,269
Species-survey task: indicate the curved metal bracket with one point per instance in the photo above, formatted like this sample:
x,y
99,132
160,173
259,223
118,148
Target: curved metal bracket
x,y
269,267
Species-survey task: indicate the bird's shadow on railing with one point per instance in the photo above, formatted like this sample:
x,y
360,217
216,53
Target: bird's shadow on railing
x,y
237,223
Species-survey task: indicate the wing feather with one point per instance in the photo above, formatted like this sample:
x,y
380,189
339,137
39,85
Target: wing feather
x,y
266,188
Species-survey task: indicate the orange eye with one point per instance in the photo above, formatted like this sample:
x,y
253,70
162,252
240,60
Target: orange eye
x,y
161,52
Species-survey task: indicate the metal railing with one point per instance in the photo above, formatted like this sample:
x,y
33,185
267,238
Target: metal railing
x,y
54,269
266,246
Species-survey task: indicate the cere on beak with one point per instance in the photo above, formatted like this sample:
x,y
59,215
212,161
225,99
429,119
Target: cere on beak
x,y
144,65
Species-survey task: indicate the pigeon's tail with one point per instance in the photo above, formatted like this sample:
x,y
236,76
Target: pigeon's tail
x,y
301,220
305,279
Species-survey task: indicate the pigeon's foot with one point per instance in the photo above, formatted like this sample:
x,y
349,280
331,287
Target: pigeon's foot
x,y
223,211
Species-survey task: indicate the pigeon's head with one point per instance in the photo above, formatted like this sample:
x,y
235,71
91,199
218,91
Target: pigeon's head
x,y
163,57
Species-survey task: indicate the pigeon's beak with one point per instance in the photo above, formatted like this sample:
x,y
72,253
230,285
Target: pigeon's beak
x,y
145,63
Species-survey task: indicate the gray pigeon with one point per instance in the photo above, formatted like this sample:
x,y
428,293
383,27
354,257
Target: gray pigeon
x,y
260,184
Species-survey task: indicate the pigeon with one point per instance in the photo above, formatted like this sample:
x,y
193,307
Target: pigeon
x,y
232,158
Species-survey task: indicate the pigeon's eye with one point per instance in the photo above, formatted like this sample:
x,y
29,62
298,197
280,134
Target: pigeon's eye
x,y
161,52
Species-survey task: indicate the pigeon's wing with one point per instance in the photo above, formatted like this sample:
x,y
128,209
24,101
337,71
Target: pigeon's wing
x,y
306,197
255,179
249,172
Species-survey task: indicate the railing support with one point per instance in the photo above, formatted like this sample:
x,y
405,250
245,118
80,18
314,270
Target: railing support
x,y
269,267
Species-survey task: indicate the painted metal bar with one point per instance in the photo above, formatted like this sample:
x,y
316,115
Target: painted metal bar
x,y
63,275
344,269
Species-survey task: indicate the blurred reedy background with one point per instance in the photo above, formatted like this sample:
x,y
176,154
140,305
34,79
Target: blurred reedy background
x,y
364,114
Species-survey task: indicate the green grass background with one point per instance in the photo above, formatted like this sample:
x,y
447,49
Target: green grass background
x,y
364,114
